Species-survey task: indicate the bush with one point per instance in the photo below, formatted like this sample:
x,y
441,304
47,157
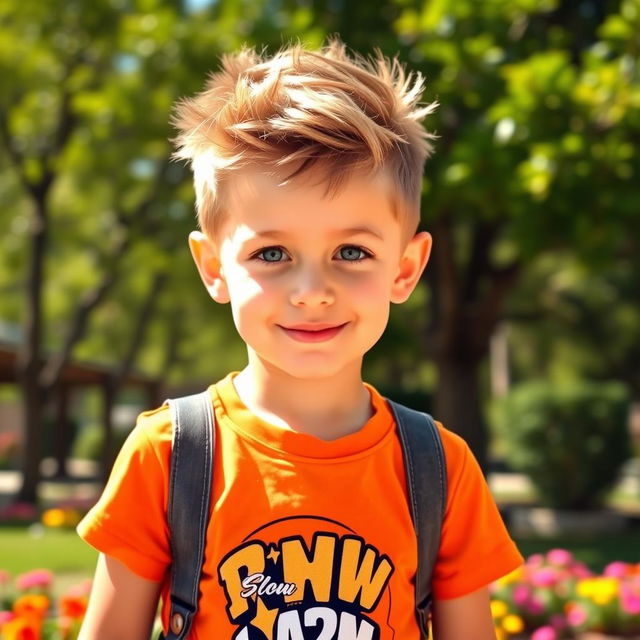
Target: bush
x,y
89,443
570,440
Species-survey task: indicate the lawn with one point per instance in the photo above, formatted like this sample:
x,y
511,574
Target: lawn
x,y
595,552
37,547
62,551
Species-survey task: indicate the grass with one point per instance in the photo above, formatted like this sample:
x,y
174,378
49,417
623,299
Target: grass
x,y
36,547
61,550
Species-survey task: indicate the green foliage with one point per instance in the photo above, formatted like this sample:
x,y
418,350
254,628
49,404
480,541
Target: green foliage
x,y
89,443
569,439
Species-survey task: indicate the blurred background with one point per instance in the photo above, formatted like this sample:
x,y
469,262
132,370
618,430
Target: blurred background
x,y
524,335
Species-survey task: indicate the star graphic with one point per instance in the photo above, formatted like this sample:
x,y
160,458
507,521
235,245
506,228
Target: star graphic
x,y
273,554
264,619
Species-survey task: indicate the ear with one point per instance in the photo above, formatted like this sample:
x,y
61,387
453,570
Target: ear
x,y
412,264
206,257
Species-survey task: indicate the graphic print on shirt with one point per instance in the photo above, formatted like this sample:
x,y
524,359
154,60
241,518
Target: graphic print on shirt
x,y
306,578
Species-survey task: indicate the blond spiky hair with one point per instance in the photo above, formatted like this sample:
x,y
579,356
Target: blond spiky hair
x,y
299,109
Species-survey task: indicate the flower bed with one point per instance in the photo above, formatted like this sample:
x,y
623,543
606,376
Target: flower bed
x,y
29,612
553,597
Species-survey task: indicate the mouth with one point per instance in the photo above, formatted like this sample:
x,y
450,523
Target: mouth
x,y
313,332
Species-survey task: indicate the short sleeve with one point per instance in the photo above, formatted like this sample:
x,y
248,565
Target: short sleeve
x,y
129,520
475,548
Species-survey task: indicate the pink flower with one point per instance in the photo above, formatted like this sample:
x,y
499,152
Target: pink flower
x,y
560,557
19,511
558,621
5,577
535,560
544,633
521,594
630,597
40,578
6,616
545,577
576,616
534,606
580,571
616,569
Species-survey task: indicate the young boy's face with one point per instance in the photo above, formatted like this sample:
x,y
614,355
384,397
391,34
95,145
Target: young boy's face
x,y
310,277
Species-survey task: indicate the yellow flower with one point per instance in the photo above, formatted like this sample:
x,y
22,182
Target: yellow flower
x,y
31,605
510,578
601,590
500,634
21,629
513,624
498,608
54,518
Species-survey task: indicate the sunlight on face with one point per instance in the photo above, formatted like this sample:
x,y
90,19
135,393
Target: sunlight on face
x,y
309,276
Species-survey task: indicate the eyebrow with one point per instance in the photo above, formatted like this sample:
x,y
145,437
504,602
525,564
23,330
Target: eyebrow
x,y
351,231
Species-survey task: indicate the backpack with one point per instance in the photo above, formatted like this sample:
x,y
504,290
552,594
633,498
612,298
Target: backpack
x,y
190,488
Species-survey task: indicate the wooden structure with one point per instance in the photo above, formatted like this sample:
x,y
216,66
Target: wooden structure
x,y
74,376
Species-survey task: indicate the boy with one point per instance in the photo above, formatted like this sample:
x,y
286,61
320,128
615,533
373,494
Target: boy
x,y
307,168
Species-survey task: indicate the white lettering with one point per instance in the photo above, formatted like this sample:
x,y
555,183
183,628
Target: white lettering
x,y
347,629
250,587
329,621
258,582
289,626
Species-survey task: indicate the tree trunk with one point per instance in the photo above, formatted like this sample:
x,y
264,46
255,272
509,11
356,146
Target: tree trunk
x,y
63,432
109,392
457,403
30,358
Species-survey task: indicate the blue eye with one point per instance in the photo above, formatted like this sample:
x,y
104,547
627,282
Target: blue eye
x,y
271,254
351,253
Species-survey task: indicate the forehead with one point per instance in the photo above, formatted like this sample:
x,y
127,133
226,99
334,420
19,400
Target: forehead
x,y
260,200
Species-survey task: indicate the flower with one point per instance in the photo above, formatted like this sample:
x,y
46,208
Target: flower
x,y
61,517
38,579
21,511
31,605
53,518
576,615
601,590
6,616
499,608
544,633
630,597
513,624
21,629
560,557
73,607
545,577
616,570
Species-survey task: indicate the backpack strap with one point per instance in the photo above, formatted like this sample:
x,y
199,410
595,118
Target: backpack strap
x,y
426,472
188,510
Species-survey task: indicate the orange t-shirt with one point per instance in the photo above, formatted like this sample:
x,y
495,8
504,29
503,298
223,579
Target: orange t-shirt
x,y
307,538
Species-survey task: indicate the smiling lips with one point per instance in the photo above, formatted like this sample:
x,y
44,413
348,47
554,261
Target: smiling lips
x,y
313,332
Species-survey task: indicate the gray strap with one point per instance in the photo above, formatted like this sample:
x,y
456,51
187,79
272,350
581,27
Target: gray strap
x,y
188,510
425,467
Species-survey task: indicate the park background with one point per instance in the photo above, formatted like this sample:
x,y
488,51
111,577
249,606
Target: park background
x,y
523,336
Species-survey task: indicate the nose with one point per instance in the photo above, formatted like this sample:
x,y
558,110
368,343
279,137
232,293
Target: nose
x,y
312,288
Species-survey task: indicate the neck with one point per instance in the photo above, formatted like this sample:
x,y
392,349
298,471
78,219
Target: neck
x,y
327,408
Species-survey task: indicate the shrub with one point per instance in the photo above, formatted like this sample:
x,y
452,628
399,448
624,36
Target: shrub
x,y
570,440
89,443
